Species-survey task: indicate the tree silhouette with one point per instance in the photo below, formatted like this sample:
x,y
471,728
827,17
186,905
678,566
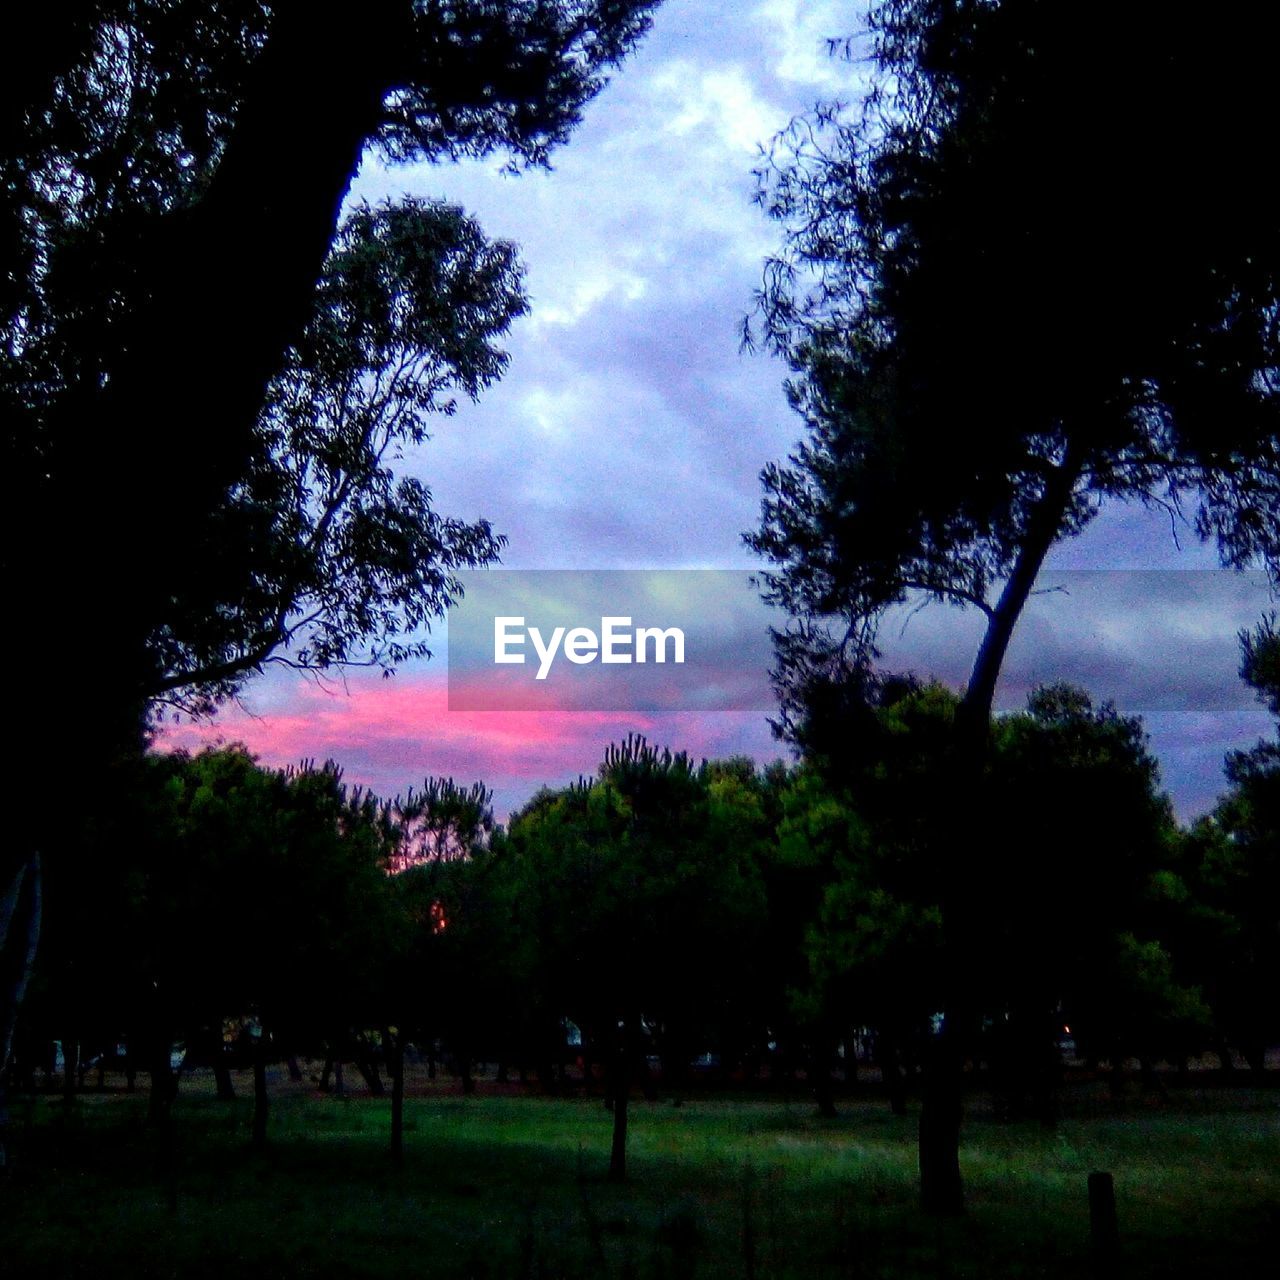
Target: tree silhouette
x,y
1007,300
1234,875
321,556
171,179
642,892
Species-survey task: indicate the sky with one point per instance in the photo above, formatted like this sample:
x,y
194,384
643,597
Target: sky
x,y
630,429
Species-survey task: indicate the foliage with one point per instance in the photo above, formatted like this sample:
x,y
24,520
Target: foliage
x,y
1232,874
172,178
642,891
1006,300
1050,917
221,890
321,555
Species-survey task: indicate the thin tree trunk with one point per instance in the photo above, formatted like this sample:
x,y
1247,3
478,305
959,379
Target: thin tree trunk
x,y
226,1091
1043,527
261,1099
892,1077
164,1092
820,1079
395,1067
620,1089
1256,1056
70,1069
1115,1080
160,1098
368,1070
20,919
941,1113
941,1189
1226,1061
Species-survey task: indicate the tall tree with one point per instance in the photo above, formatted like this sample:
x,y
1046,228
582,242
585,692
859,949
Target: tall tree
x,y
171,177
1007,297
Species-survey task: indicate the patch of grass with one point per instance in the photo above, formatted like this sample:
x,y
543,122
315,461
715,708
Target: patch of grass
x,y
498,1186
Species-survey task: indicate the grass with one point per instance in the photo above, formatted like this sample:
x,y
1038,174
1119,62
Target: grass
x,y
513,1186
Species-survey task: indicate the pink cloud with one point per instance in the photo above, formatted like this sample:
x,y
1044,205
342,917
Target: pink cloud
x,y
390,734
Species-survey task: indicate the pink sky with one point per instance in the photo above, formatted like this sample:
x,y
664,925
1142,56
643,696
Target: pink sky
x,y
391,734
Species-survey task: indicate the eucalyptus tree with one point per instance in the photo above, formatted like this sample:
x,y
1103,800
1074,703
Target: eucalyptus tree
x,y
1007,297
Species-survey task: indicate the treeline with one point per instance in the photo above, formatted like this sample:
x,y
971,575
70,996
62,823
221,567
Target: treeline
x,y
669,911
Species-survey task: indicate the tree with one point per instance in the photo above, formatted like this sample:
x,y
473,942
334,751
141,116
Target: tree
x,y
171,209
1005,302
643,898
1056,917
451,979
1233,876
211,890
321,556
172,177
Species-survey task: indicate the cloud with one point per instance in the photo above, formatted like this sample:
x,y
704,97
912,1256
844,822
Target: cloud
x,y
629,430
391,734
798,32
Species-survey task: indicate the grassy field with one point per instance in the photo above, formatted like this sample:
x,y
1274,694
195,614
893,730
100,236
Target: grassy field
x,y
508,1185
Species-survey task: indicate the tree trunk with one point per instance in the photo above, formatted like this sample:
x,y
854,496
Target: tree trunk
x,y
941,1188
164,1092
1043,527
295,1071
1256,1056
1115,1079
21,910
70,1069
261,1100
164,1084
395,1067
193,328
941,1191
820,1079
226,1091
892,1078
368,1070
620,1089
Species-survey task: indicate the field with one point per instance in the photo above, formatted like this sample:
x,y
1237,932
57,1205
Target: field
x,y
501,1184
